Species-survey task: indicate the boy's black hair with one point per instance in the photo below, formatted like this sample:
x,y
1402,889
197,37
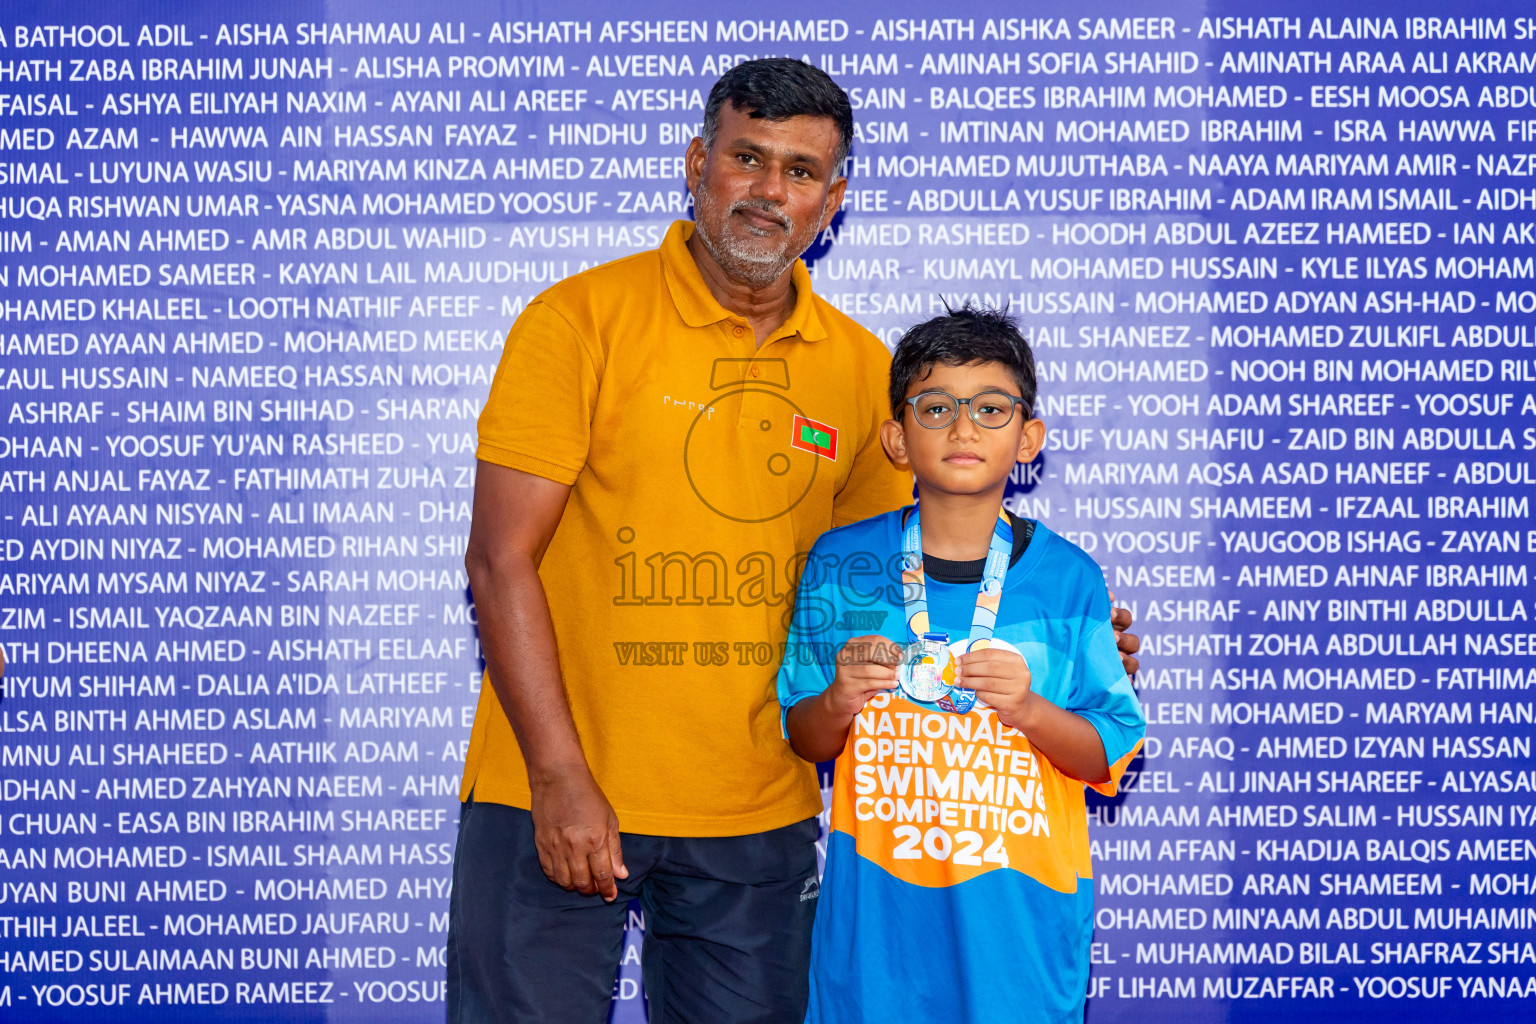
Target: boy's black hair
x,y
779,88
970,334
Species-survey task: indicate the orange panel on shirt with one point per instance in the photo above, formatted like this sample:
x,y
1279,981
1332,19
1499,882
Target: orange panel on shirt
x,y
989,799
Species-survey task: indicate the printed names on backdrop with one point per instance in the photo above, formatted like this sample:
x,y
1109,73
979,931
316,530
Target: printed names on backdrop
x,y
254,280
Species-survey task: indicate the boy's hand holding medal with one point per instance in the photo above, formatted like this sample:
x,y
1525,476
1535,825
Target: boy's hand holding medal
x,y
866,666
1001,679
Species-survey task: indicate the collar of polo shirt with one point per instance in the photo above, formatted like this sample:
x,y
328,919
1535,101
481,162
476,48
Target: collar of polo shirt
x,y
699,307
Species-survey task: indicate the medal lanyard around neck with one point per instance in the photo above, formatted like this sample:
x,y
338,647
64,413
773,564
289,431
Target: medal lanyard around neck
x,y
915,586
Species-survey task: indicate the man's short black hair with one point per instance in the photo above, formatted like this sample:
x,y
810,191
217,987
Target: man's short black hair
x,y
779,88
970,334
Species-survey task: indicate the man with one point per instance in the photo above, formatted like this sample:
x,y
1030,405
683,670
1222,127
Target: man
x,y
665,433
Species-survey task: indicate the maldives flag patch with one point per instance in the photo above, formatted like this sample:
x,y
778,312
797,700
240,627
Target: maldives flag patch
x,y
816,438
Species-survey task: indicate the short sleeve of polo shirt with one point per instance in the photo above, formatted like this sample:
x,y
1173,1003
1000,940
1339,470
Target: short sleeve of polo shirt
x,y
1101,692
538,418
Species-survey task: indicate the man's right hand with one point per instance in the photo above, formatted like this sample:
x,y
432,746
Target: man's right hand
x,y
577,835
575,830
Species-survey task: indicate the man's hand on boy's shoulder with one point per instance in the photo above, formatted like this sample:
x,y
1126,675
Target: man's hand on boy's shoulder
x,y
866,665
1001,678
1127,642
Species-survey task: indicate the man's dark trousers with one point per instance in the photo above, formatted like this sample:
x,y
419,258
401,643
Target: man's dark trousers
x,y
727,927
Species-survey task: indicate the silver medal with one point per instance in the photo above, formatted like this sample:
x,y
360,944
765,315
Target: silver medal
x,y
927,671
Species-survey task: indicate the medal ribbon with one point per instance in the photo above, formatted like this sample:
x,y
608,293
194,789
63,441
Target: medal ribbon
x,y
915,585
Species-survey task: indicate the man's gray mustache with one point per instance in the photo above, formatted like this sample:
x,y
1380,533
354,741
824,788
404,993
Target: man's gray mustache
x,y
771,209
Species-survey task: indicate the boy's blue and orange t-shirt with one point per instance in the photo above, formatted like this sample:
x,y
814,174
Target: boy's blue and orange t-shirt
x,y
958,885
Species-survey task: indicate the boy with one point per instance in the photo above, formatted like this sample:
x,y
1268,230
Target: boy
x,y
957,884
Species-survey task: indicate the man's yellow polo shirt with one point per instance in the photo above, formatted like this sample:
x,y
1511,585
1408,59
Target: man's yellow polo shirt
x,y
700,467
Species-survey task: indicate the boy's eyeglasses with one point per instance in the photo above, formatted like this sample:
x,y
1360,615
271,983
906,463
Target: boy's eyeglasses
x,y
990,409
